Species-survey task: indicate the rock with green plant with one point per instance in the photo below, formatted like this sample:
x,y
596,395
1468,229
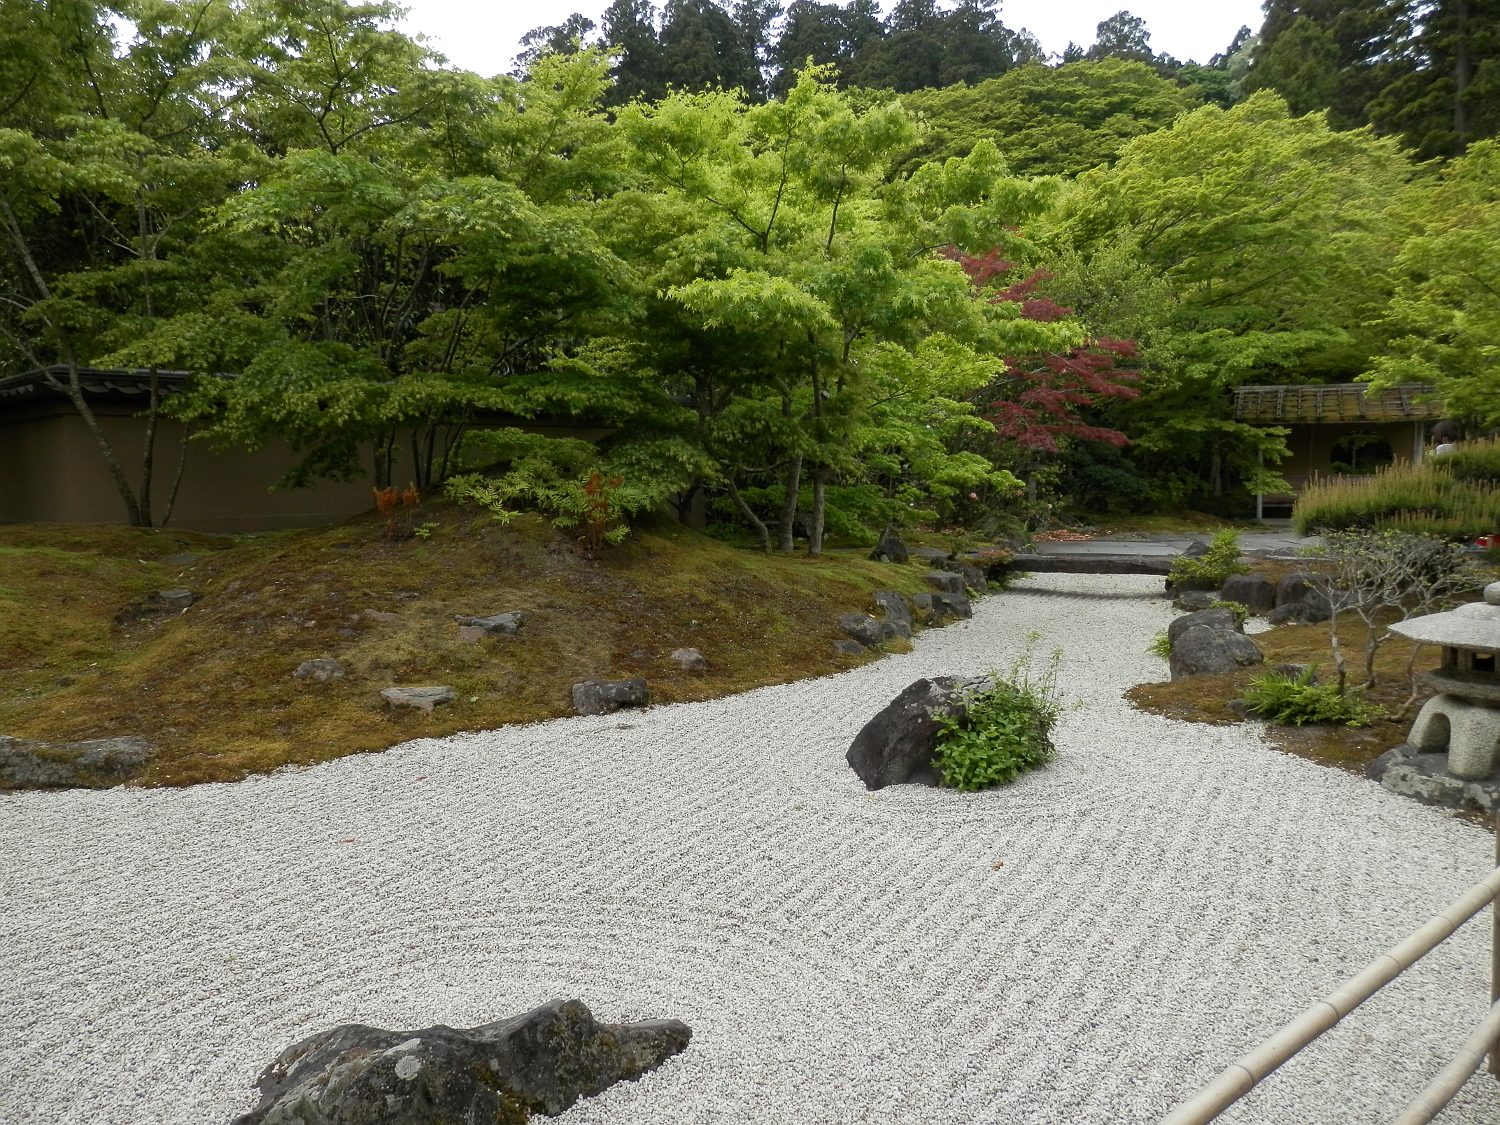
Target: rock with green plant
x,y
1211,570
897,746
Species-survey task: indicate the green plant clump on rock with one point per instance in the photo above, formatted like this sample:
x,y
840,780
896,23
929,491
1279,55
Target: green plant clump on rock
x,y
1007,729
1214,568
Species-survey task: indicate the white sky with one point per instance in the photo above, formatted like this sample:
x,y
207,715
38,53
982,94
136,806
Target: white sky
x,y
482,35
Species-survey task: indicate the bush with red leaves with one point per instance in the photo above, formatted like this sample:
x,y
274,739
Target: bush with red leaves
x,y
1045,390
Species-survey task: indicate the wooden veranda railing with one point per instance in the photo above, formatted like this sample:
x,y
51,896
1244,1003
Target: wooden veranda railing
x,y
1247,1072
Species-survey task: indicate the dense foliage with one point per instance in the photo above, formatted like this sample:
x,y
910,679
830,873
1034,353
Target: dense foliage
x,y
1004,729
928,279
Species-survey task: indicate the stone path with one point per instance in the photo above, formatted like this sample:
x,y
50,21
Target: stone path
x,y
1084,946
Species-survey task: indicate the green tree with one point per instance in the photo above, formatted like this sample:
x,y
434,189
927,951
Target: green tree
x,y
1446,308
1122,36
1048,120
703,47
1235,246
825,34
639,70
804,312
1446,89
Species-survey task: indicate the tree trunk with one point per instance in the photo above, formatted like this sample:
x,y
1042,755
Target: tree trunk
x,y
148,449
788,526
1338,651
182,453
815,532
1216,469
761,530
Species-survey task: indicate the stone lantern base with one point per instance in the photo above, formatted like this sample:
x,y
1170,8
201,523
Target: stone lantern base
x,y
1406,770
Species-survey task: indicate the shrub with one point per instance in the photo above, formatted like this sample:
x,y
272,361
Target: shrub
x,y
1293,702
1472,461
1213,569
1007,730
1419,499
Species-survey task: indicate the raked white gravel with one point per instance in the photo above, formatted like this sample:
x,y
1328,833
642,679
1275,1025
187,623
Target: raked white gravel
x,y
1169,894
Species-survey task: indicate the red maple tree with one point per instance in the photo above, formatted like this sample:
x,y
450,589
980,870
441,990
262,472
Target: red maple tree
x,y
1046,389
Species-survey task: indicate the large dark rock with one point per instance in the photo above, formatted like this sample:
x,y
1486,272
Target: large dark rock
x,y
178,599
975,578
861,626
600,697
1253,591
896,746
1295,587
890,549
1193,600
1406,770
945,581
1207,649
498,1074
1289,613
1219,618
894,606
97,763
932,608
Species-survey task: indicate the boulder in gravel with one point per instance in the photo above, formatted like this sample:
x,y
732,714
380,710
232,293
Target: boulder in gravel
x,y
1194,600
945,581
1207,649
175,599
891,548
601,697
500,625
1253,591
689,660
500,1073
321,670
1219,618
896,746
894,606
97,763
974,577
420,698
932,608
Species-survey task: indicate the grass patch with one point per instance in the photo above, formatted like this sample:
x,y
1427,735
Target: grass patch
x,y
84,654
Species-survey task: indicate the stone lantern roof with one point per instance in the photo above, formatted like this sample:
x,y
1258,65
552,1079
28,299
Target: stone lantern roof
x,y
1475,626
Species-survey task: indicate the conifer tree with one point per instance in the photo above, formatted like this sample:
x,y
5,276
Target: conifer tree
x,y
630,27
702,47
1447,91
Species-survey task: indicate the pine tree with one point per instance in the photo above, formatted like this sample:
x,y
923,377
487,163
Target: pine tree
x,y
630,27
827,34
1122,36
702,48
1337,55
1448,91
925,47
564,39
754,19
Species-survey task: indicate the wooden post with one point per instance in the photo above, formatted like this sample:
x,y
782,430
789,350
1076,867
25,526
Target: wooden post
x,y
1495,953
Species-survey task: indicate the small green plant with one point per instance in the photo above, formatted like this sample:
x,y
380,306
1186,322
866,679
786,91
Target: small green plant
x,y
1294,702
1161,645
1213,569
1239,609
425,531
1006,730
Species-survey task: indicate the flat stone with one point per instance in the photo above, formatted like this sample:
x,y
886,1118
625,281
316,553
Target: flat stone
x,y
852,648
931,554
1194,600
689,660
175,599
420,698
183,559
471,634
499,625
97,763
1425,777
320,671
498,1073
601,697
381,615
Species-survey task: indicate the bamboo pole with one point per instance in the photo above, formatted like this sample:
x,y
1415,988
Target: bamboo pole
x,y
1440,1091
1243,1075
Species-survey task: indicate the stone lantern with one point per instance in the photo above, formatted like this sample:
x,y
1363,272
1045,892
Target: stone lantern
x,y
1463,720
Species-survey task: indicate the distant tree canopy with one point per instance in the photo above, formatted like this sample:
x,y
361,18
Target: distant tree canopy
x,y
1049,120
